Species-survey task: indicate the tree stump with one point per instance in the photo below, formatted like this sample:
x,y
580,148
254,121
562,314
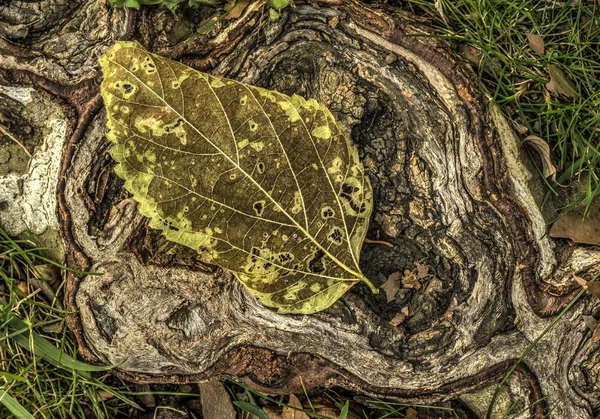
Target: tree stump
x,y
457,235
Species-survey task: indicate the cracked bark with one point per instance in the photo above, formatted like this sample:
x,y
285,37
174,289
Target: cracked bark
x,y
452,193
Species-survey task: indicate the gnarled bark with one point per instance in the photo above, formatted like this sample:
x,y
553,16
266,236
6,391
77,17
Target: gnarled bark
x,y
453,196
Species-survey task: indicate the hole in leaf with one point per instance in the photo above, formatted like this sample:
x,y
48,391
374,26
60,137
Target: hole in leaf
x,y
315,265
259,207
127,88
335,236
327,212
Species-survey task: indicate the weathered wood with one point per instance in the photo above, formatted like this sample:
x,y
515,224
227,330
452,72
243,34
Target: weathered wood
x,y
453,194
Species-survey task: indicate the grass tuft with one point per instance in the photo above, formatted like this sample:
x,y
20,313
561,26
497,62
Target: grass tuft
x,y
40,375
502,40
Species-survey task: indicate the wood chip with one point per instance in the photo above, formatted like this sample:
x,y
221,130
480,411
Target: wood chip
x,y
398,319
536,43
215,400
543,150
333,22
572,226
235,10
391,286
290,413
410,280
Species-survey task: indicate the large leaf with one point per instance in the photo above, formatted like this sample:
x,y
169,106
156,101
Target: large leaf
x,y
263,184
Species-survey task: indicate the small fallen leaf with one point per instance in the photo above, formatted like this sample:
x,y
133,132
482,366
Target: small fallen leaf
x,y
596,334
215,400
410,413
560,82
536,43
543,150
398,318
105,395
391,286
22,285
411,280
290,412
522,129
422,270
146,399
591,287
55,327
471,53
401,295
235,10
590,322
594,289
573,226
185,388
273,412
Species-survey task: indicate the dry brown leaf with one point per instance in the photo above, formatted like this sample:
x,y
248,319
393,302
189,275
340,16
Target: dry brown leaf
x,y
391,286
543,150
594,289
185,388
536,43
596,334
146,399
590,322
410,280
560,82
398,318
571,226
422,270
273,412
332,412
55,327
105,395
333,22
215,400
411,413
235,10
290,413
22,285
471,53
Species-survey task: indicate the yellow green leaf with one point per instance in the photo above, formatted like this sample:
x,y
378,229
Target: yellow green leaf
x,y
265,185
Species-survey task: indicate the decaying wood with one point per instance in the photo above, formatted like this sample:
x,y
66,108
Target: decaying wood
x,y
453,195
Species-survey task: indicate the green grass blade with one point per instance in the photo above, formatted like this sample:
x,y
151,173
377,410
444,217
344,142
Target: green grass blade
x,y
345,409
13,377
24,337
252,409
14,406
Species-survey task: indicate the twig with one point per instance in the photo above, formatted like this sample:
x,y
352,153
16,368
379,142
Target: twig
x,y
4,131
378,242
